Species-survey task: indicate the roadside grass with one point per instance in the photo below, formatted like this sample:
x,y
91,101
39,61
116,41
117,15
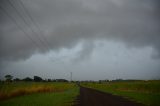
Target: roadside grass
x,y
65,98
146,92
10,90
150,99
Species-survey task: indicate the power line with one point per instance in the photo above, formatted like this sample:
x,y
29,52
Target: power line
x,y
71,76
36,25
18,25
26,23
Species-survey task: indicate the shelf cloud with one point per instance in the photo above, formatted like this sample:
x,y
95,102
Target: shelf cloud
x,y
64,23
39,26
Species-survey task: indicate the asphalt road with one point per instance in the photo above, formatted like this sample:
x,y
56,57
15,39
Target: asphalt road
x,y
91,97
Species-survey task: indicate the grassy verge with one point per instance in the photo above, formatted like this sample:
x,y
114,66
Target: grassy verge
x,y
64,98
147,93
14,89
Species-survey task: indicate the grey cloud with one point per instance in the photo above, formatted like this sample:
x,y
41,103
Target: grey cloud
x,y
85,52
64,23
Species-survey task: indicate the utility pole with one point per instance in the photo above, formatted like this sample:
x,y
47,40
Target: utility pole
x,y
71,77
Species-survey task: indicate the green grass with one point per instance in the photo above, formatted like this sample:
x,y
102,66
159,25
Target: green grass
x,y
146,92
151,99
10,90
65,98
9,87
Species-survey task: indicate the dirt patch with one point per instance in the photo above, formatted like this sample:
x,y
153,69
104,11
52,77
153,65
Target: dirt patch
x,y
91,97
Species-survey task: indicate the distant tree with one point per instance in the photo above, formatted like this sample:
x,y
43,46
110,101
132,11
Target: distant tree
x,y
49,80
8,78
61,80
17,79
54,80
117,80
37,78
100,81
27,79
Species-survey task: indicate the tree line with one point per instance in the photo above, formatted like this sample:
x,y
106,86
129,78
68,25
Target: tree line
x,y
9,78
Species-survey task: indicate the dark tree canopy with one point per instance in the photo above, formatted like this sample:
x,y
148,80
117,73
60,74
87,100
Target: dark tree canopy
x,y
8,77
27,79
17,79
37,78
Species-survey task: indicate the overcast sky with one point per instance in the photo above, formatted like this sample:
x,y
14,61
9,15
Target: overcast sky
x,y
93,39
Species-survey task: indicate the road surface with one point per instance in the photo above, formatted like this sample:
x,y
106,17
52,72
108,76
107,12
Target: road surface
x,y
91,97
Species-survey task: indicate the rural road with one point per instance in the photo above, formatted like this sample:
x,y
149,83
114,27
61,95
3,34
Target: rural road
x,y
90,97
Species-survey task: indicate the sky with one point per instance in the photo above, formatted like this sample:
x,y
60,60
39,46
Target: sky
x,y
93,39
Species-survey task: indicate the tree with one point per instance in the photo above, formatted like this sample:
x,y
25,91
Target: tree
x,y
8,77
27,79
37,78
49,80
61,80
17,79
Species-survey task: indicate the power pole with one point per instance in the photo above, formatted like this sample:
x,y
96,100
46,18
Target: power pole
x,y
71,77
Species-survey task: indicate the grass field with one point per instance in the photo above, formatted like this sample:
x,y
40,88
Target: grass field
x,y
63,94
38,94
146,92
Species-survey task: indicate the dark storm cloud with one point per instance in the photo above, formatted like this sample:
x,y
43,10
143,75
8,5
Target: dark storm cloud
x,y
64,23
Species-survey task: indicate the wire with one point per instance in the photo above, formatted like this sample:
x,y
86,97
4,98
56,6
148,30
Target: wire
x,y
36,25
27,23
18,25
27,35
